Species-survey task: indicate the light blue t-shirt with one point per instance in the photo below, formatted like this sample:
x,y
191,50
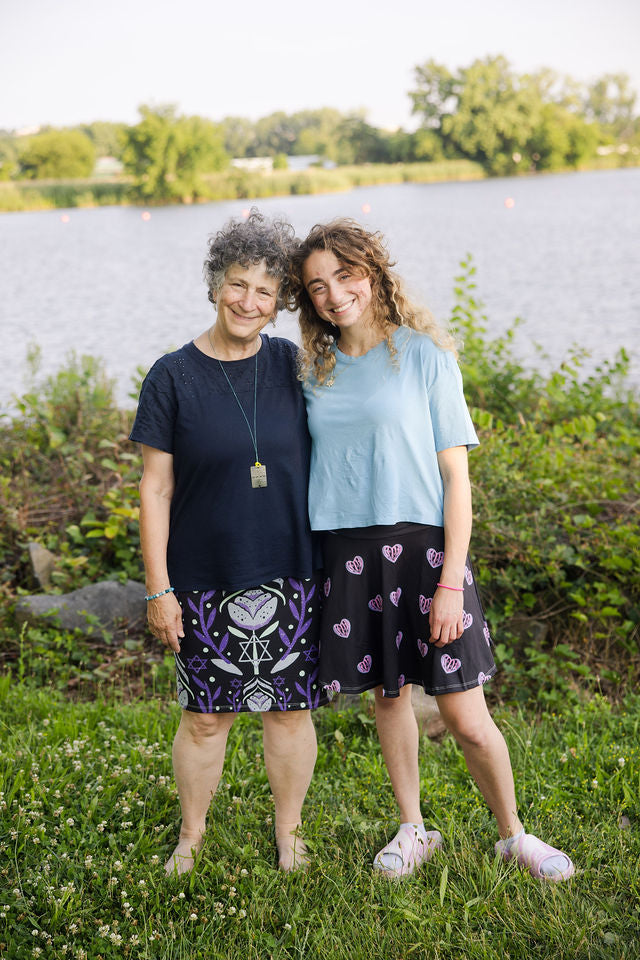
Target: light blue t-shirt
x,y
376,432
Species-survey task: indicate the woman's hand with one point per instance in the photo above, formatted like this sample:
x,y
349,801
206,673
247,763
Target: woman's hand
x,y
165,620
445,617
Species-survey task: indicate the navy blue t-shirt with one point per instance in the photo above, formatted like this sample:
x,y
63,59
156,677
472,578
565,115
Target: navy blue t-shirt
x,y
224,533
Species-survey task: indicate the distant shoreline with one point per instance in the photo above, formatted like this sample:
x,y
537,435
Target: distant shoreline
x,y
25,196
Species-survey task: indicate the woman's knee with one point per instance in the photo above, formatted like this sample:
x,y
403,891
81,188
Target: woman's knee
x,y
393,704
287,723
201,727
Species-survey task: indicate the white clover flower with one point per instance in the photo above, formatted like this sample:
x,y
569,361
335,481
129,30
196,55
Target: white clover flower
x,y
594,783
117,865
103,930
193,916
287,926
563,758
70,822
181,895
231,911
242,913
244,873
621,761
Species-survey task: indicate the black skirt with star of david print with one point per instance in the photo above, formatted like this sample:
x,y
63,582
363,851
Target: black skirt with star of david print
x,y
251,650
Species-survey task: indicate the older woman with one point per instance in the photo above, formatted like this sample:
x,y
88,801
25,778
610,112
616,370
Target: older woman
x,y
389,484
225,535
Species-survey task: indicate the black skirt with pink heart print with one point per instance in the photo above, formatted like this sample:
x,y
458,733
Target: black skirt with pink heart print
x,y
378,588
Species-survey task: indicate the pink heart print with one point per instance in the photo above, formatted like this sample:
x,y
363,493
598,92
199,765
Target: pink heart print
x,y
468,575
487,635
376,603
467,620
483,678
394,596
435,558
398,638
392,553
343,629
365,664
333,687
423,648
327,586
425,604
355,566
449,664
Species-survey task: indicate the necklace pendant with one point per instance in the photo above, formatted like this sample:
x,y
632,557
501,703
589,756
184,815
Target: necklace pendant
x,y
258,475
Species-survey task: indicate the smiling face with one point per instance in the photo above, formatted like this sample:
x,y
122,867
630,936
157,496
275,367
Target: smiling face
x,y
338,293
246,302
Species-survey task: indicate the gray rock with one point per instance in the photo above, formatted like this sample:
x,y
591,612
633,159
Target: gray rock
x,y
42,563
108,602
427,713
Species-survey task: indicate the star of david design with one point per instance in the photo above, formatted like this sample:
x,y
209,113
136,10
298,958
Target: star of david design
x,y
196,664
260,650
311,654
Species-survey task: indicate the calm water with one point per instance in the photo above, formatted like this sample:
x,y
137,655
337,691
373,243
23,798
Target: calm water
x,y
564,257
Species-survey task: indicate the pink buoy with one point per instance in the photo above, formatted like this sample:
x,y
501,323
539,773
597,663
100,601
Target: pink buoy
x,y
146,215
366,208
509,203
65,218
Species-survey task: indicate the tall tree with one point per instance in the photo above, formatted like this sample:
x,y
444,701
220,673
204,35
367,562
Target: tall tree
x,y
167,154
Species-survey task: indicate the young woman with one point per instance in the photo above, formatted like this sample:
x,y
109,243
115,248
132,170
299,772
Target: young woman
x,y
389,486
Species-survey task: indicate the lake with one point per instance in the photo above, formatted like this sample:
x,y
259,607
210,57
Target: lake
x,y
560,251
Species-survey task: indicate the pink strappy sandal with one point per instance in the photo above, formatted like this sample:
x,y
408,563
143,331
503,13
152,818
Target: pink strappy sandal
x,y
530,853
411,849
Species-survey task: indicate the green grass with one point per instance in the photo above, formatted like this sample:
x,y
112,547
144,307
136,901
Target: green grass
x,y
89,812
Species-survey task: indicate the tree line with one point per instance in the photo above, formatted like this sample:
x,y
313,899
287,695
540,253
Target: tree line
x,y
486,112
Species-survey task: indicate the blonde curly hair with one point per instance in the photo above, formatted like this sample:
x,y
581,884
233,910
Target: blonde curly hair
x,y
366,254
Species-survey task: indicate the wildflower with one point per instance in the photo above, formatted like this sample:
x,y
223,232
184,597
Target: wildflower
x,y
287,926
242,913
231,911
103,930
135,939
115,937
594,783
193,916
244,873
117,865
71,822
563,758
621,761
181,895
142,883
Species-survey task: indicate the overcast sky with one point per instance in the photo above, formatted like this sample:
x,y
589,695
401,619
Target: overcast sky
x,y
72,61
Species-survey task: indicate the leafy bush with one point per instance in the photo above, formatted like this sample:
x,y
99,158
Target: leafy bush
x,y
556,521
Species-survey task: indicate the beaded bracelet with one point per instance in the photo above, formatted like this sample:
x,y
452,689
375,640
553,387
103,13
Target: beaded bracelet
x,y
154,596
457,589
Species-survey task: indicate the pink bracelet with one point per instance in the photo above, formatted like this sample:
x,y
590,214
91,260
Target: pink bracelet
x,y
457,589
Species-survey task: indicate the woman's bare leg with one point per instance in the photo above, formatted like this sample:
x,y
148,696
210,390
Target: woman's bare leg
x,y
398,734
485,751
290,751
198,756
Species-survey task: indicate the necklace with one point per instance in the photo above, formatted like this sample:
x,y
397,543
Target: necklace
x,y
258,471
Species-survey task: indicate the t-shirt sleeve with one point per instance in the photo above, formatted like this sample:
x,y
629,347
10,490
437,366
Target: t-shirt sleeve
x,y
452,426
157,408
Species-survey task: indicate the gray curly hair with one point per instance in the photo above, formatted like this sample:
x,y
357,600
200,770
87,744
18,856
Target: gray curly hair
x,y
249,241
